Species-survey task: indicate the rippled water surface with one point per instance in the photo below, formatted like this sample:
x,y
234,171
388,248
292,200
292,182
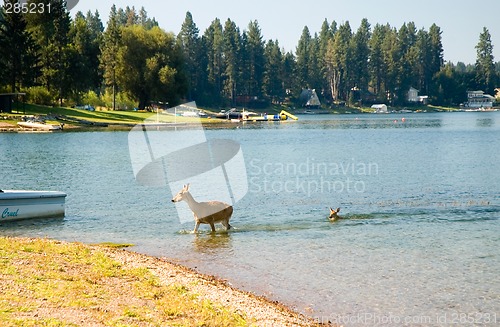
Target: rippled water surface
x,y
420,199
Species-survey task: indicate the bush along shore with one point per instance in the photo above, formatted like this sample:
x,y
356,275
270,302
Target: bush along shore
x,y
53,283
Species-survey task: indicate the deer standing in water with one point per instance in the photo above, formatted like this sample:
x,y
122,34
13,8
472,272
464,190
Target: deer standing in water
x,y
205,212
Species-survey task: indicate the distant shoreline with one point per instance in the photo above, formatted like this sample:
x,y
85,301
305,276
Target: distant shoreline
x,y
81,120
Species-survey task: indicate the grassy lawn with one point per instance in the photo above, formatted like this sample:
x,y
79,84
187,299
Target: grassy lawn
x,y
110,117
51,283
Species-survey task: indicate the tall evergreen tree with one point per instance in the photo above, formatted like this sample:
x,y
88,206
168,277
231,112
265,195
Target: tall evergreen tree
x,y
288,74
422,52
50,30
145,21
392,57
121,16
339,59
376,65
18,55
131,16
109,52
86,35
407,59
485,66
190,43
232,60
315,77
360,56
273,80
213,42
302,57
256,59
326,34
436,57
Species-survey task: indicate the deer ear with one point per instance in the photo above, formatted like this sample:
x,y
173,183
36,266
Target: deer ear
x,y
331,210
186,187
338,209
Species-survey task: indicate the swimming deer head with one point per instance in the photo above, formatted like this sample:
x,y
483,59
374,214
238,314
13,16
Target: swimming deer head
x,y
333,214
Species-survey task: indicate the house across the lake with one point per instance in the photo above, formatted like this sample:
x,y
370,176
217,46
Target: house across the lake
x,y
309,99
478,99
380,108
413,96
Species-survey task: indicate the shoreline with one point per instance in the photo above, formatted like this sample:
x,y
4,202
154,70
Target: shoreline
x,y
265,311
82,125
255,310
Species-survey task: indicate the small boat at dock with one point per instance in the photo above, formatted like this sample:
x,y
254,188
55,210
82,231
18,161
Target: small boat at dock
x,y
23,204
38,126
249,116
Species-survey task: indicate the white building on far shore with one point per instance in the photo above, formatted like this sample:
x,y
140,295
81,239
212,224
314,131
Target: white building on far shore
x,y
477,99
380,108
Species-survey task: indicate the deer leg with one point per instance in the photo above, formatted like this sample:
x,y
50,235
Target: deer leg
x,y
226,224
212,226
196,227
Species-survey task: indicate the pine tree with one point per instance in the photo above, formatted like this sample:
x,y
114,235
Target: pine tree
x,y
376,65
360,55
213,42
109,52
145,21
86,35
256,59
18,55
273,82
302,57
392,58
288,75
485,67
407,58
232,58
315,77
50,30
435,60
131,16
190,42
326,34
339,63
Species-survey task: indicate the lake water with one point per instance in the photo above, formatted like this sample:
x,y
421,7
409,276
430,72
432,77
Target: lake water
x,y
420,198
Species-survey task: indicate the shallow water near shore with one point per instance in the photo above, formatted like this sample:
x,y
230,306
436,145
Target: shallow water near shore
x,y
419,197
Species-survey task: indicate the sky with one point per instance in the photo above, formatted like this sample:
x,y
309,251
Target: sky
x,y
460,23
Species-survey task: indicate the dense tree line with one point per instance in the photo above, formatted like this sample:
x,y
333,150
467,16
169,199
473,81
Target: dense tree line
x,y
133,62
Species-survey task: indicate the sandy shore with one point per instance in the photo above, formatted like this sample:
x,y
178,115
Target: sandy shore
x,y
49,282
261,310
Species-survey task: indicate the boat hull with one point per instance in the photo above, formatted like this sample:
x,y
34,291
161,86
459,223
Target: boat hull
x,y
18,205
39,126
